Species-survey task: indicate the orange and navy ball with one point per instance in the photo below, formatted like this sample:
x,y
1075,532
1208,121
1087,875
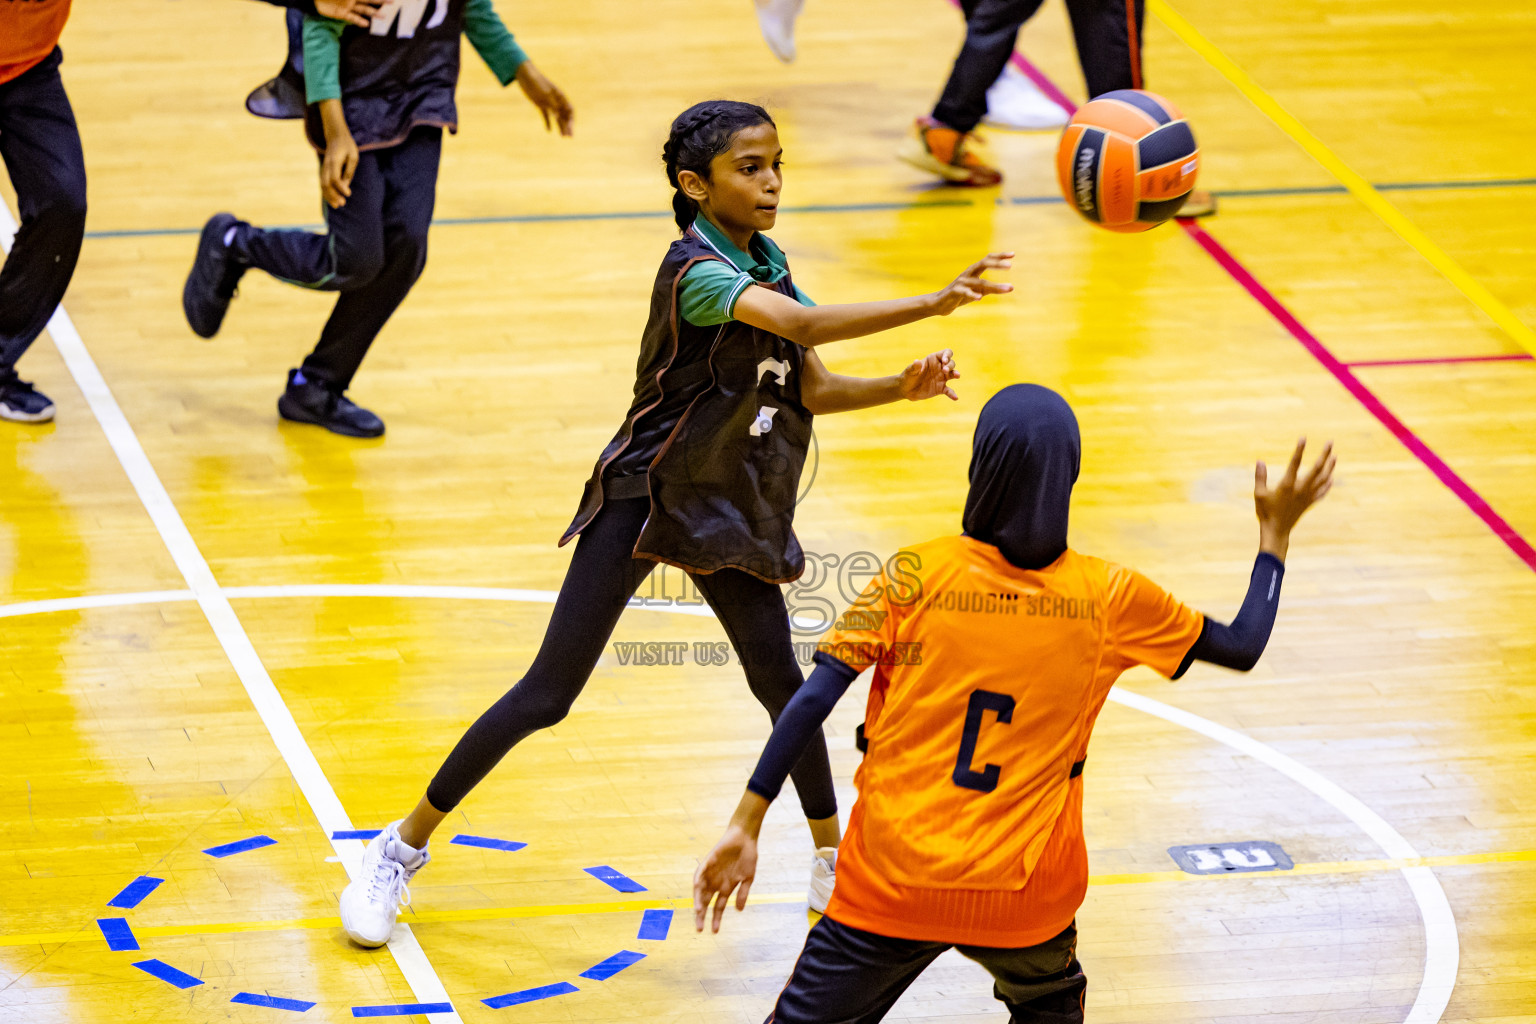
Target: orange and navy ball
x,y
1127,160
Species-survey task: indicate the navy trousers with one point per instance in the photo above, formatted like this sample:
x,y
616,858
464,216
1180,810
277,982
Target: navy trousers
x,y
1108,35
850,976
41,148
373,251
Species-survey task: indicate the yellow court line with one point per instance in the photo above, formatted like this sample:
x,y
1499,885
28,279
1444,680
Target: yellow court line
x,y
1362,190
684,903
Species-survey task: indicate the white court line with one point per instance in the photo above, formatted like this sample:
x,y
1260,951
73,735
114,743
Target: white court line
x,y
418,972
1441,945
1442,949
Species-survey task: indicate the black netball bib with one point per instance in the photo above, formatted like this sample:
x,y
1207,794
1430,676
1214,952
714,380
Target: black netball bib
x,y
716,436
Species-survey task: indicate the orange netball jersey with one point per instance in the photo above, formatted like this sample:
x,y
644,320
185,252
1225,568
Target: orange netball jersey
x,y
29,30
989,679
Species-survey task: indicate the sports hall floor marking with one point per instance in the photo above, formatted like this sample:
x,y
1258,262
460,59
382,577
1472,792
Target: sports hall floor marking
x,y
1441,947
307,774
685,903
1298,191
1361,189
1474,501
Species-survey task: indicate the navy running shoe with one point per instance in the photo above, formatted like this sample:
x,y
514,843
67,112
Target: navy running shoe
x,y
216,272
313,401
20,402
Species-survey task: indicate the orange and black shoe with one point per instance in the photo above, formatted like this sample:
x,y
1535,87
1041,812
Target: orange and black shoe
x,y
941,150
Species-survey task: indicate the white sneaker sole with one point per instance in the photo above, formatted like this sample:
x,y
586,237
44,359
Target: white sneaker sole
x,y
17,416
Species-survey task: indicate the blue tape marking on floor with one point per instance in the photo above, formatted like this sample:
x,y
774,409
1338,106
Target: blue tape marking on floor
x,y
487,844
134,894
165,972
617,879
403,1010
356,833
273,1002
529,995
117,933
554,218
230,849
613,965
655,923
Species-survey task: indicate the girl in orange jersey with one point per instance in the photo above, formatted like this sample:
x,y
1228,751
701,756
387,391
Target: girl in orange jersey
x,y
992,660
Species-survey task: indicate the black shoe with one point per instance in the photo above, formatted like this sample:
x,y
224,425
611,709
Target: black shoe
x,y
215,274
311,401
20,402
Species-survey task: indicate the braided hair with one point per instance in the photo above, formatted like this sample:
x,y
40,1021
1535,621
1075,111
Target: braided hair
x,y
699,134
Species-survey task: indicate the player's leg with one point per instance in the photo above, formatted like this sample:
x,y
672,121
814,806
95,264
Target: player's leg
x,y
756,621
41,148
991,28
602,577
1041,984
1108,35
316,390
349,253
776,19
849,976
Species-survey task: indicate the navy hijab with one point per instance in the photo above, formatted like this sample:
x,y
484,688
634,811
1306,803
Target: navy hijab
x,y
1024,461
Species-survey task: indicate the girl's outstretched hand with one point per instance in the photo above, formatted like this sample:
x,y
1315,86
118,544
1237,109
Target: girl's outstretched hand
x,y
929,377
731,865
971,285
545,95
1281,505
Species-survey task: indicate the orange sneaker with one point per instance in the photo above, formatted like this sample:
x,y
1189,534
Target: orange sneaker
x,y
942,150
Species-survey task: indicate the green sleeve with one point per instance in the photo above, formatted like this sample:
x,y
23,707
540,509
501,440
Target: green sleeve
x,y
491,40
322,59
802,298
708,293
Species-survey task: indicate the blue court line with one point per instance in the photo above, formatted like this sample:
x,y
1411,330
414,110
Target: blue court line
x,y
402,1010
529,995
240,846
560,218
616,879
654,924
117,933
510,845
273,1002
356,833
613,965
134,893
165,972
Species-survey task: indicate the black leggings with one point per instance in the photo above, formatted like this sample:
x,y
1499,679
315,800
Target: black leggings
x,y
602,578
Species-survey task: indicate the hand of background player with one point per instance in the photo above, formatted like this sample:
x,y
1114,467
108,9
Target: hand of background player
x,y
357,12
929,377
545,95
1279,507
336,170
732,863
970,285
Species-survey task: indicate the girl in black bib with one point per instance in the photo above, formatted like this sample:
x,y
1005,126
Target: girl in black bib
x,y
702,474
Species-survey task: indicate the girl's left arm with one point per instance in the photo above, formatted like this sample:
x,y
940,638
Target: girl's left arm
x,y
823,391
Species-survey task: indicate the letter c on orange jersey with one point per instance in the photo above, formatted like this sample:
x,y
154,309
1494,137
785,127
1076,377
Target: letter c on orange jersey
x,y
982,701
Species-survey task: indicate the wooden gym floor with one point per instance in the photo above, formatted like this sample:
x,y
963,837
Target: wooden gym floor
x,y
280,641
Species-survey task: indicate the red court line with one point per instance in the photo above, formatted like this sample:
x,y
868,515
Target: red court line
x,y
1341,371
1448,476
1439,360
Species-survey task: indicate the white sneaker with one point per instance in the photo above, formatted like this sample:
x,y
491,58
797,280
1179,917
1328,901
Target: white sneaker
x,y
1016,102
777,20
823,877
371,902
